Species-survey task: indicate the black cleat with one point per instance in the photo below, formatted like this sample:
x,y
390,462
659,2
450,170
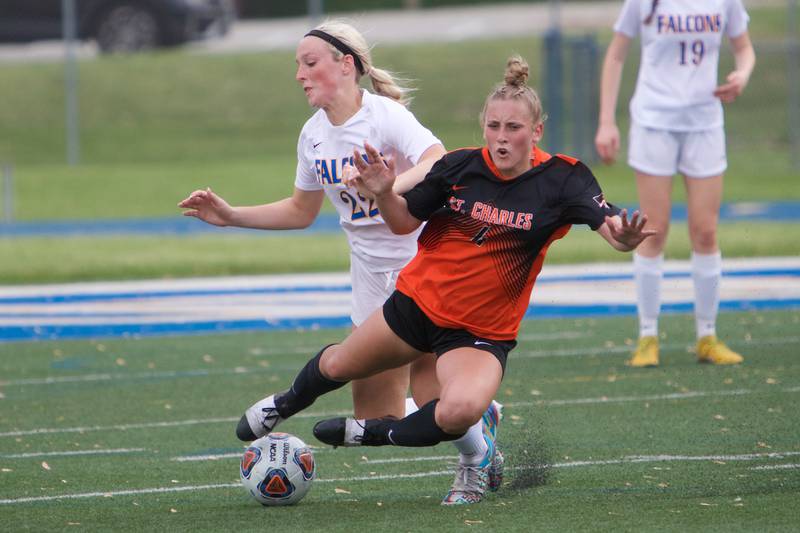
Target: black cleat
x,y
353,432
331,431
243,431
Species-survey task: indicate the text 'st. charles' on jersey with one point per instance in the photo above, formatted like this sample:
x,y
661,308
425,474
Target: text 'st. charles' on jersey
x,y
486,236
322,151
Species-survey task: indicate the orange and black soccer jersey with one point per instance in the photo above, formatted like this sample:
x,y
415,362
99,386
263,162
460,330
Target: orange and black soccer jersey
x,y
486,236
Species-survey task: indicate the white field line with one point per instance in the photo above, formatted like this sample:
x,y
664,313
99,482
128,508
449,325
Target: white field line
x,y
205,372
575,401
211,457
196,372
777,467
144,425
383,477
237,455
70,453
621,399
626,459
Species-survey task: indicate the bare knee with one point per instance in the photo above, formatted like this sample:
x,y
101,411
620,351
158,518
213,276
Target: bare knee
x,y
335,366
704,239
456,416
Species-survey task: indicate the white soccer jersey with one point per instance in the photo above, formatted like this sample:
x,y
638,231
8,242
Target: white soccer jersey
x,y
322,151
680,54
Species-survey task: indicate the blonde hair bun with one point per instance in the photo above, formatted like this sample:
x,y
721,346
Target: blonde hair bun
x,y
517,72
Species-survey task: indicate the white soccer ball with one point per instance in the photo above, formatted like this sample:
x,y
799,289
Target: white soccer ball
x,y
277,469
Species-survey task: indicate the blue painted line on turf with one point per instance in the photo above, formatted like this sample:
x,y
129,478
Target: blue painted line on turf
x,y
77,315
99,297
132,295
53,332
325,222
788,211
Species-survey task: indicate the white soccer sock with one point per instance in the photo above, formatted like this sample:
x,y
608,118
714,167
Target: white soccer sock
x,y
411,407
472,446
706,274
647,274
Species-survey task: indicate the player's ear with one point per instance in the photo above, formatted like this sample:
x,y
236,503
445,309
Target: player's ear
x,y
538,132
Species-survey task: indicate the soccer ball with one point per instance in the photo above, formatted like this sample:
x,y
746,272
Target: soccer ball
x,y
277,469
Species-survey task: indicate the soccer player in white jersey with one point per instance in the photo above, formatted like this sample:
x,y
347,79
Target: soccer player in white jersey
x,y
677,128
331,60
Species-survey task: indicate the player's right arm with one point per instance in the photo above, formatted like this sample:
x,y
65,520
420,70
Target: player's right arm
x,y
607,138
296,212
736,81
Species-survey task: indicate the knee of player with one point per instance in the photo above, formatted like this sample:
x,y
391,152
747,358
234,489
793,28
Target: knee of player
x,y
704,236
457,415
335,365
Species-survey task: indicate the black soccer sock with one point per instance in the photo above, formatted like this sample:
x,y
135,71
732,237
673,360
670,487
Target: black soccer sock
x,y
309,385
418,429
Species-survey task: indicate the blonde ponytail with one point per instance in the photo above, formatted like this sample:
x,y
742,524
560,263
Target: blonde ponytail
x,y
383,81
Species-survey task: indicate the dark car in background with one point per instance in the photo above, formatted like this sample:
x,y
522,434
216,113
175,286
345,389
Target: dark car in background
x,y
118,25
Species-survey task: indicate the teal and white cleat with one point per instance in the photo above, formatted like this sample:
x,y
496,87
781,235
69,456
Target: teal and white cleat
x,y
471,481
491,421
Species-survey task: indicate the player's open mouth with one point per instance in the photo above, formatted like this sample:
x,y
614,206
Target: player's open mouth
x,y
502,152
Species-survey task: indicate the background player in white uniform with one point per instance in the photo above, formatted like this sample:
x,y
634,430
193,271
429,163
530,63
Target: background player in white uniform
x,y
677,127
331,60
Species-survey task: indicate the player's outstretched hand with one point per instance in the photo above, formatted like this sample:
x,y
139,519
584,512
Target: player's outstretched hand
x,y
208,207
376,174
630,234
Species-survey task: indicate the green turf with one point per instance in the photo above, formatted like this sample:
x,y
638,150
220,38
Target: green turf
x,y
65,259
569,398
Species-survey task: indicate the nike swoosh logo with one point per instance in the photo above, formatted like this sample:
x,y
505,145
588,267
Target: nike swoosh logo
x,y
459,187
389,436
317,144
478,343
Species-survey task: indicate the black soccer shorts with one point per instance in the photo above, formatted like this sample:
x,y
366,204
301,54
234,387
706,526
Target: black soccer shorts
x,y
411,324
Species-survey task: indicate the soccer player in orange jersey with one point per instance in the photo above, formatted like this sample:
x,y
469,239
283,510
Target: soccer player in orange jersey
x,y
491,215
331,61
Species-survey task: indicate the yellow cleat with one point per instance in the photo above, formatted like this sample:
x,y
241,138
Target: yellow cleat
x,y
712,350
646,353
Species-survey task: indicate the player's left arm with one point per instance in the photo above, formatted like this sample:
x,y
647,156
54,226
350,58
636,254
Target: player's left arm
x,y
624,235
406,181
745,60
585,204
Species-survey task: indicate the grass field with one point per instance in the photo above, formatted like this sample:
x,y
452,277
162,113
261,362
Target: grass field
x,y
156,126
680,447
59,259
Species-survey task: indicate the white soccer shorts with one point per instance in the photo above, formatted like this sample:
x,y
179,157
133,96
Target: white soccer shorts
x,y
370,289
695,154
